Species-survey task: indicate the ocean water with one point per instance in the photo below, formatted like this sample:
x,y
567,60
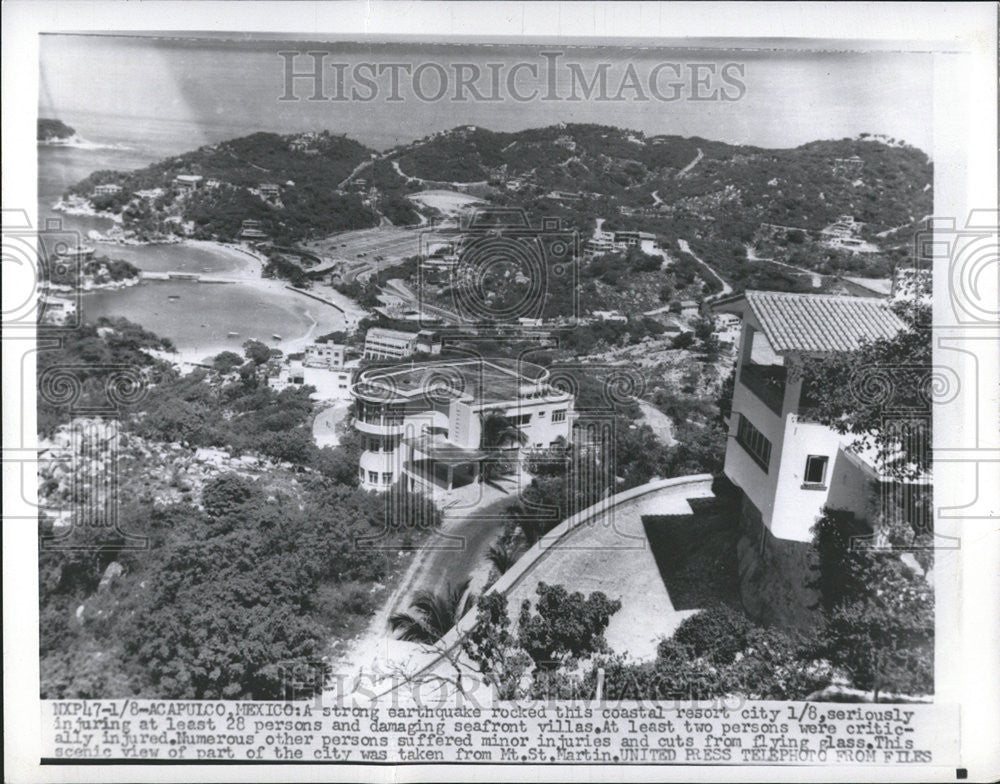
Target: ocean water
x,y
200,316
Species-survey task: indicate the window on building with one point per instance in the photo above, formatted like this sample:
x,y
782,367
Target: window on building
x,y
541,414
559,415
387,478
816,469
754,442
361,474
520,420
373,477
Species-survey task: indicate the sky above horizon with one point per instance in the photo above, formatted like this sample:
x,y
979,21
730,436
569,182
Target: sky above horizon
x,y
173,94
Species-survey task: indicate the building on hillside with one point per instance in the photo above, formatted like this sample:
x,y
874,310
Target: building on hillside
x,y
727,329
423,423
252,230
269,190
108,189
845,234
428,342
644,240
600,242
610,315
188,182
326,355
848,166
382,343
56,310
565,196
323,366
786,466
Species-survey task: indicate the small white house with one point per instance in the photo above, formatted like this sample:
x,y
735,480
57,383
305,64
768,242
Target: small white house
x,y
188,182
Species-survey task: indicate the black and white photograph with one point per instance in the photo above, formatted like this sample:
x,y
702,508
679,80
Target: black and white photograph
x,y
607,400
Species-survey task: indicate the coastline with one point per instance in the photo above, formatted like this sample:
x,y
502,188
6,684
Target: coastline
x,y
322,318
76,205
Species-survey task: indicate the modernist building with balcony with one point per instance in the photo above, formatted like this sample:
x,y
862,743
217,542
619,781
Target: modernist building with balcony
x,y
423,423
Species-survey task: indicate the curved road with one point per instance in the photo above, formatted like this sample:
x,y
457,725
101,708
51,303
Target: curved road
x,y
726,288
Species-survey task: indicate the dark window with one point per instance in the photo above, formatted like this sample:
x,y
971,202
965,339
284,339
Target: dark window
x,y
754,442
559,415
816,469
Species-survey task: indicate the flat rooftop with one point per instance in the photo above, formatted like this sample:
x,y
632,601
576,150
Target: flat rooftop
x,y
483,380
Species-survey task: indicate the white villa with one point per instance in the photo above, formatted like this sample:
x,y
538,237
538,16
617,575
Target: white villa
x,y
423,422
323,366
787,466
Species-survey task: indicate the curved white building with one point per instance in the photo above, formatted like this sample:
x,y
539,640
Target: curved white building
x,y
423,422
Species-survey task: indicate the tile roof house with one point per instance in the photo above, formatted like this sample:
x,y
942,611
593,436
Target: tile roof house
x,y
786,466
819,323
785,463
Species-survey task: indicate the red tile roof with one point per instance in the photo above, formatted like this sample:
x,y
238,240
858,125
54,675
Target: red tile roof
x,y
821,322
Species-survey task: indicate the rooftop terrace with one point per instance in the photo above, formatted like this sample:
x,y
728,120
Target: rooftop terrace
x,y
481,380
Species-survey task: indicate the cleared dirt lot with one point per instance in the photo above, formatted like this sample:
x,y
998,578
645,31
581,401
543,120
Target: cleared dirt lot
x,y
447,202
391,242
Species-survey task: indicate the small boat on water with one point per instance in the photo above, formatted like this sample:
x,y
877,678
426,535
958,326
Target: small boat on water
x,y
174,297
232,334
275,337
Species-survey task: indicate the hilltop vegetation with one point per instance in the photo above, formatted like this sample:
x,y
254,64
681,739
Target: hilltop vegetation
x,y
713,195
594,158
720,198
49,129
306,170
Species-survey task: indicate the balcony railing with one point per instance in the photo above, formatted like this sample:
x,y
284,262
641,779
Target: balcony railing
x,y
387,420
767,382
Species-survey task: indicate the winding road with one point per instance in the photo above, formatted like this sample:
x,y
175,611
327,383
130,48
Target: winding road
x,y
726,288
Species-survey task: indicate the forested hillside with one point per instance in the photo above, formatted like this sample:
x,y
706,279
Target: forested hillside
x,y
306,170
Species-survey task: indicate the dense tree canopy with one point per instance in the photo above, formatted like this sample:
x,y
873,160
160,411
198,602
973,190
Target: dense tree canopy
x,y
882,392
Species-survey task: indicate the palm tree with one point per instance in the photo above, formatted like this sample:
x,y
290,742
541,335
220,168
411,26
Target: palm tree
x,y
502,555
435,614
498,435
531,527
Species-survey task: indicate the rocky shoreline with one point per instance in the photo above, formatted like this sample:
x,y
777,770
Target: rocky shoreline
x,y
78,205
